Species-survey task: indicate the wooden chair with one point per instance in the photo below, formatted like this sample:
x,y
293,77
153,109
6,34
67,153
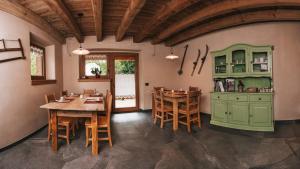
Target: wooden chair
x,y
89,91
191,88
103,123
162,110
190,110
64,123
64,93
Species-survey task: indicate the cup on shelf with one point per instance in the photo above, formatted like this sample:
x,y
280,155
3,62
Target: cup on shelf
x,y
62,99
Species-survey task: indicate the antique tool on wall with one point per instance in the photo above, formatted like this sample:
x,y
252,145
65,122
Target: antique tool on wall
x,y
183,59
196,62
203,59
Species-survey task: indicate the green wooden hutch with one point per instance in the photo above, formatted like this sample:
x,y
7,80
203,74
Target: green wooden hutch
x,y
243,110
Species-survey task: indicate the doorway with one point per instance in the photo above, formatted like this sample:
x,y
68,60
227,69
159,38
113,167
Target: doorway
x,y
124,82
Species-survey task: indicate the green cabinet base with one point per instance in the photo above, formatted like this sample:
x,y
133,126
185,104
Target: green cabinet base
x,y
242,127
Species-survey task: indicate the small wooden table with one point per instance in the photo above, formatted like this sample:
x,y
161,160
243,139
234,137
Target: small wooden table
x,y
175,98
75,108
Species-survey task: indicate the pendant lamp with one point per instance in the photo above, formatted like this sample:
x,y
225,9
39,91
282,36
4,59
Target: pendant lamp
x,y
171,56
80,50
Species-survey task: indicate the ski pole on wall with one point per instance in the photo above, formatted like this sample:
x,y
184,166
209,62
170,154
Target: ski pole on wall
x,y
203,59
181,66
195,63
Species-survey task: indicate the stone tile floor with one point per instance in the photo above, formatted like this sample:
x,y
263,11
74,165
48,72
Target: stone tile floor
x,y
138,144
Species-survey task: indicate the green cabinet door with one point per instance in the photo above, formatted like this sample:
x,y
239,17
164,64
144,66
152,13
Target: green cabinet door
x,y
238,113
219,109
261,114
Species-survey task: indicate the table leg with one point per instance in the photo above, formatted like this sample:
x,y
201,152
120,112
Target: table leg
x,y
94,123
153,107
54,130
175,114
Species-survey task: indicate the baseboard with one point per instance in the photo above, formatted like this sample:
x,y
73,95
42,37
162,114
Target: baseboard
x,y
23,139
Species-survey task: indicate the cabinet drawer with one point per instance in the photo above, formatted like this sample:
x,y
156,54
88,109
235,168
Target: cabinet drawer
x,y
242,98
216,96
263,98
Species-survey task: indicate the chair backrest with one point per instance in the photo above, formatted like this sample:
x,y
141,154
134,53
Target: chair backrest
x,y
159,99
49,98
158,88
108,106
89,91
191,88
193,100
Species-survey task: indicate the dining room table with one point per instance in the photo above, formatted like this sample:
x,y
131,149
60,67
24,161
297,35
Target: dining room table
x,y
77,107
175,97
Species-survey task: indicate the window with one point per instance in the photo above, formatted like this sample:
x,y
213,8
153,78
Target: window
x,y
93,67
37,56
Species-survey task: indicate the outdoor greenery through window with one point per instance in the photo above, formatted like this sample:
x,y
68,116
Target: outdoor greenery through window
x,y
37,56
125,66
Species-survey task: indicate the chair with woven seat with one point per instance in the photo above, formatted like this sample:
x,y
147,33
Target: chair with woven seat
x,y
103,123
88,92
64,123
162,109
190,110
191,88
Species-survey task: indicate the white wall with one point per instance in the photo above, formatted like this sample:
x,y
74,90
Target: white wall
x,y
286,60
20,114
153,67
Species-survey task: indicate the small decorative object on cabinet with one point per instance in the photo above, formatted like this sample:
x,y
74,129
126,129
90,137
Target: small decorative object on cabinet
x,y
248,104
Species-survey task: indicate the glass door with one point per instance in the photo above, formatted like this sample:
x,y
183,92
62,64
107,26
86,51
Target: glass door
x,y
238,61
220,65
125,82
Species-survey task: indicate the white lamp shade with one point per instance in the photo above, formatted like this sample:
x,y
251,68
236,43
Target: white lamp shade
x,y
172,56
80,51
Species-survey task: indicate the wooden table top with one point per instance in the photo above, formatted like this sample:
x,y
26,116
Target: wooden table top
x,y
74,105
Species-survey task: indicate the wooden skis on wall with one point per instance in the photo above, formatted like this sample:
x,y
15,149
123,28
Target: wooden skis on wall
x,y
180,71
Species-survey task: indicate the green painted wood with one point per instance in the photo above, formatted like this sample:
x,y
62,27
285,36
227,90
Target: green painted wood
x,y
261,114
252,111
240,61
238,112
220,111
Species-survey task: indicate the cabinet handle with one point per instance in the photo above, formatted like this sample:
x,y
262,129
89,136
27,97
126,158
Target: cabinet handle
x,y
237,98
259,98
218,97
226,112
229,113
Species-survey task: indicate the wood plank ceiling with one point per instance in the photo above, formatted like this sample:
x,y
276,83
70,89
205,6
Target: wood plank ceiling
x,y
161,21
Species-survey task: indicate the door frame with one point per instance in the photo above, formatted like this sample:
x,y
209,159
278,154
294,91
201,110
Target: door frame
x,y
112,57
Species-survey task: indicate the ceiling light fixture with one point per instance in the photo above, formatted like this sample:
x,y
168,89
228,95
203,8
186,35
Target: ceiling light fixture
x,y
172,56
80,50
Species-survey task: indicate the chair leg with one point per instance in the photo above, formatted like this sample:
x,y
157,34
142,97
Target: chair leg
x,y
49,131
68,134
162,119
87,136
109,136
155,117
199,120
188,122
73,128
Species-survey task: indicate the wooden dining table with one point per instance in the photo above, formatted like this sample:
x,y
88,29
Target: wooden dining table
x,y
76,107
174,97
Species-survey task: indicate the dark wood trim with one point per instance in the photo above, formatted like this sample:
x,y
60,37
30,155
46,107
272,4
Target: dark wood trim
x,y
42,82
94,80
97,7
43,77
113,57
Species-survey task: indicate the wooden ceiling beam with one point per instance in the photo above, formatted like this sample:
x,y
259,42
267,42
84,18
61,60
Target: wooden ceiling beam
x,y
62,11
161,16
133,9
235,20
218,9
20,11
97,7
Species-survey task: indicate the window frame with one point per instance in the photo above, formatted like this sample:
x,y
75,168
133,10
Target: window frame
x,y
43,77
82,59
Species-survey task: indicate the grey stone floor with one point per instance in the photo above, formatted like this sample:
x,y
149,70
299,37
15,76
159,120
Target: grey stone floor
x,y
138,144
